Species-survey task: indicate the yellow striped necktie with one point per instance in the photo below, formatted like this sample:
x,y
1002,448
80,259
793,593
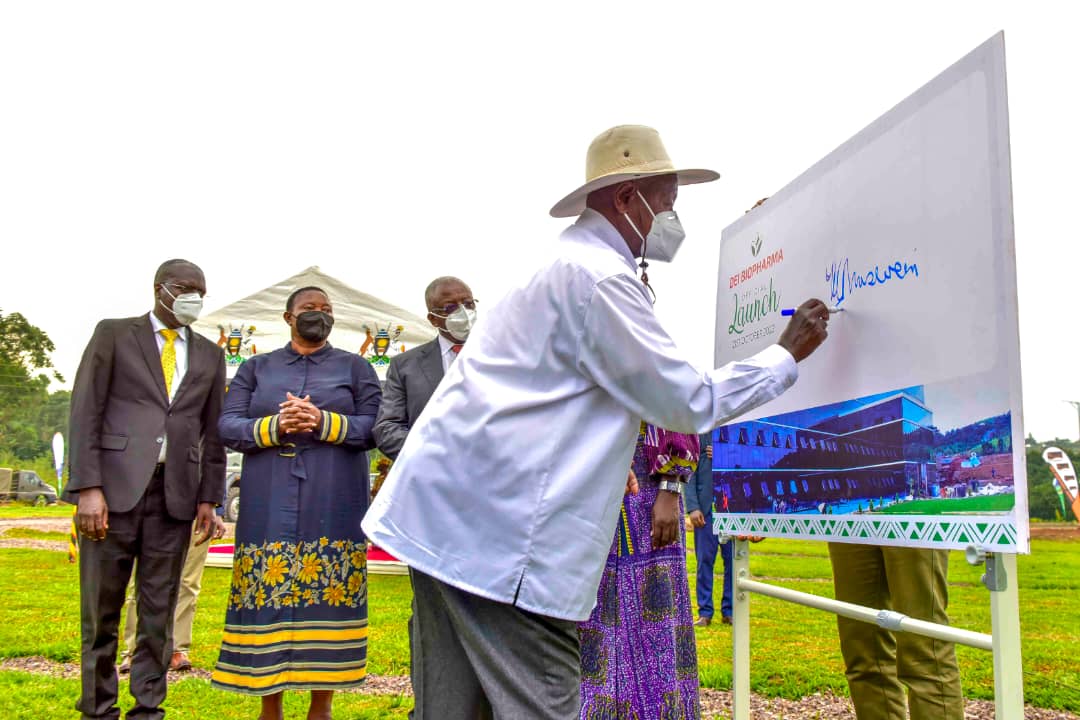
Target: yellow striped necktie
x,y
73,537
168,358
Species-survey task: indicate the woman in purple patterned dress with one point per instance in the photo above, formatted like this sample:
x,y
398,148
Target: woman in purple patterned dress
x,y
638,654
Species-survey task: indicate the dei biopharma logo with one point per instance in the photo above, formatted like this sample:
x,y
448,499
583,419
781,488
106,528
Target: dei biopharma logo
x,y
767,261
754,303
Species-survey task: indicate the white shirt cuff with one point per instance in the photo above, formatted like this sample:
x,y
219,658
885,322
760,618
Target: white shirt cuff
x,y
780,363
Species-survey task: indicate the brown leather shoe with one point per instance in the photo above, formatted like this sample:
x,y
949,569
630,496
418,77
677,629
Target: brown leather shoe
x,y
726,619
703,621
180,662
125,667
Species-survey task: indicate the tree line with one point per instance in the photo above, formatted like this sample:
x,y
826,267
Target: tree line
x,y
30,414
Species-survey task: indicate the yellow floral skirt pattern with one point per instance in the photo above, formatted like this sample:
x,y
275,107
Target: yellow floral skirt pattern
x,y
296,617
300,575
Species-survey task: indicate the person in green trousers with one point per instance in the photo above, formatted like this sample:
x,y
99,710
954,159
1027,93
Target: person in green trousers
x,y
880,665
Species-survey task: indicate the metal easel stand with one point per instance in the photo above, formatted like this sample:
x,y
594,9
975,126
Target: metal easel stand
x,y
1000,579
1004,643
740,632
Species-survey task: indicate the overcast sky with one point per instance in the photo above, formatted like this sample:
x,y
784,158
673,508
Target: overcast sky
x,y
389,143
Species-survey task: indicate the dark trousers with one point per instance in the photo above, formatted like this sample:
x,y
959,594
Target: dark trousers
x,y
705,549
478,659
159,542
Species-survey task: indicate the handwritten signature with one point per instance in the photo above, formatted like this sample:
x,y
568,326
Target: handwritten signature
x,y
843,281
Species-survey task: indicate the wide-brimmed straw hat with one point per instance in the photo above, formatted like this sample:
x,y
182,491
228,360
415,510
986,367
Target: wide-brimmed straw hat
x,y
625,153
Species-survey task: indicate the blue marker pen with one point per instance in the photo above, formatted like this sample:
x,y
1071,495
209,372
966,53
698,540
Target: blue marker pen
x,y
788,312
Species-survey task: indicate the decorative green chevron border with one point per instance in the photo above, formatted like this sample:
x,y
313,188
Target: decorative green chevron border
x,y
991,532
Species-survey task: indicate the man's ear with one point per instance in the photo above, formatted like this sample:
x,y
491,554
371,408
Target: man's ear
x,y
624,195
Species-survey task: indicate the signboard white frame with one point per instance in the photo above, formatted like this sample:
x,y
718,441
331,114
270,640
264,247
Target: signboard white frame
x,y
908,227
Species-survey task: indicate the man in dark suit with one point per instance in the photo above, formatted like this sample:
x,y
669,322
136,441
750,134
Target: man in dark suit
x,y
699,504
145,462
413,376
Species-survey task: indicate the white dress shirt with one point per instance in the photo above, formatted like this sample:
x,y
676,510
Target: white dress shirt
x,y
448,354
181,346
510,483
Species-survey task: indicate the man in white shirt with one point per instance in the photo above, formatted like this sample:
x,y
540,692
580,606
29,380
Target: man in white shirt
x,y
413,375
504,498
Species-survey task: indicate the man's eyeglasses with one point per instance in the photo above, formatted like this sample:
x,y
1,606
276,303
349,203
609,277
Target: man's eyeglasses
x,y
447,310
184,289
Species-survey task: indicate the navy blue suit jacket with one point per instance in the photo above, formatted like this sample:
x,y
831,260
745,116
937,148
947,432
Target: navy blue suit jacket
x,y
699,489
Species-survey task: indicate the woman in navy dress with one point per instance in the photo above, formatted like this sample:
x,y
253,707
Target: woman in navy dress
x,y
297,610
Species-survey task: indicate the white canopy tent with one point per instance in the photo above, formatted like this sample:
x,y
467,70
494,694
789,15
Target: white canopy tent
x,y
361,321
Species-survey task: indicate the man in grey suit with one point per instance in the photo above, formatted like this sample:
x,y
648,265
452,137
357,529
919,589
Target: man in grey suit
x,y
413,376
146,461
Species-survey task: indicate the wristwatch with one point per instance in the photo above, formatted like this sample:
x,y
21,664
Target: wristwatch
x,y
671,486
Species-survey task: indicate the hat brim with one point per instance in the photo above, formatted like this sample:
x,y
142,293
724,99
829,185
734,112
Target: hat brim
x,y
574,204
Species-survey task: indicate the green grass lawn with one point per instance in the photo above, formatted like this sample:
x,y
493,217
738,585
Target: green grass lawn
x,y
24,510
980,503
794,649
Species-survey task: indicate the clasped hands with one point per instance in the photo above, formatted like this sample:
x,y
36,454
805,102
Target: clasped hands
x,y
298,415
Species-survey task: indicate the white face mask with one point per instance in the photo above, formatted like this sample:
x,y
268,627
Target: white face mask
x,y
459,323
665,236
186,306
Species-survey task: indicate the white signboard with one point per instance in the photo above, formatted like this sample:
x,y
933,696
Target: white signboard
x,y
905,427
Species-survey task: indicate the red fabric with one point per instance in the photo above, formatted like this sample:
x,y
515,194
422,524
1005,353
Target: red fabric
x,y
456,348
377,553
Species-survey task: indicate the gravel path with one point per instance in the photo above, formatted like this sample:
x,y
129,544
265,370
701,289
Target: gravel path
x,y
60,525
717,704
714,703
38,524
